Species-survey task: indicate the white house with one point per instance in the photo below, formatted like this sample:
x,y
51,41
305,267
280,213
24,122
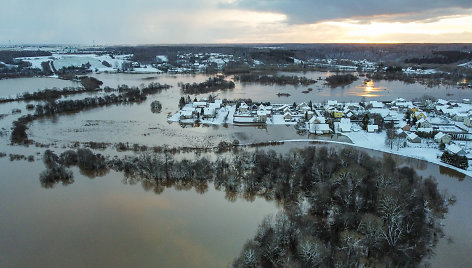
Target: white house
x,y
209,112
442,138
460,117
288,116
412,137
372,128
262,116
423,123
320,129
186,114
377,104
468,121
243,107
199,104
455,149
345,125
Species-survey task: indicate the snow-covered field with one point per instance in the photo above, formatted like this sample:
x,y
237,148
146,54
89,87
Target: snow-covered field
x,y
95,61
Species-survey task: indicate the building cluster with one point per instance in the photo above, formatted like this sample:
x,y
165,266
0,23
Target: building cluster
x,y
444,122
195,62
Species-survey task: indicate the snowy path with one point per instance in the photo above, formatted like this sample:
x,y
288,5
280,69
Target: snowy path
x,y
426,154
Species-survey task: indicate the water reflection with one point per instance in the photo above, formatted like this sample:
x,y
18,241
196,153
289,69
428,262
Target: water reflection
x,y
368,90
451,173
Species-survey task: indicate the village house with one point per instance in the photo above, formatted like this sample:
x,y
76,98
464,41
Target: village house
x,y
401,133
186,114
376,104
345,125
199,104
288,116
460,117
423,123
309,115
337,114
209,112
372,128
419,115
455,149
468,121
413,138
442,138
262,116
243,108
405,127
320,129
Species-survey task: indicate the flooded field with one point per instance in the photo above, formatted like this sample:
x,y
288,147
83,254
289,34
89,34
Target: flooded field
x,y
95,222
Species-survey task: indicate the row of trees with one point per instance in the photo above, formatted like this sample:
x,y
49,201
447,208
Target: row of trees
x,y
124,95
280,80
340,208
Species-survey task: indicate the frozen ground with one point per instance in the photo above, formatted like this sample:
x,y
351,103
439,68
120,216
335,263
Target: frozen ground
x,y
96,62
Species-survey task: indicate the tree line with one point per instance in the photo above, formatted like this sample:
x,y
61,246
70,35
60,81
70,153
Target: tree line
x,y
280,80
124,94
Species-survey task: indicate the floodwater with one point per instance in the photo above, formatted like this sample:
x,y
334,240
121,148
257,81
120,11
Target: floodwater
x,y
103,222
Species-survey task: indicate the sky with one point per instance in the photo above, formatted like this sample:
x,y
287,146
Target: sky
x,y
133,22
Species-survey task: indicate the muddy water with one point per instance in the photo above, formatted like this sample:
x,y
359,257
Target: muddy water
x,y
105,223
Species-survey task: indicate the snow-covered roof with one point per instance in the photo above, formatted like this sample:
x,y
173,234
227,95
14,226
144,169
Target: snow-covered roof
x,y
412,136
186,113
442,102
345,127
317,120
244,119
199,104
377,104
455,149
371,128
209,110
425,129
262,112
439,136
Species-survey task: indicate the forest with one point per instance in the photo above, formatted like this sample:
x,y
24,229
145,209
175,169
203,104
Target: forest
x,y
340,207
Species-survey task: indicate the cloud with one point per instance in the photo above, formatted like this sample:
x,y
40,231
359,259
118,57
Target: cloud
x,y
211,21
311,11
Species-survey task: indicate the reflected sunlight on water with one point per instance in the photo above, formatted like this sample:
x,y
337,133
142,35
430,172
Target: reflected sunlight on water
x,y
368,90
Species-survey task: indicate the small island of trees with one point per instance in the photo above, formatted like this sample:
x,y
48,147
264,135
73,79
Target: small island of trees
x,y
212,84
340,80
